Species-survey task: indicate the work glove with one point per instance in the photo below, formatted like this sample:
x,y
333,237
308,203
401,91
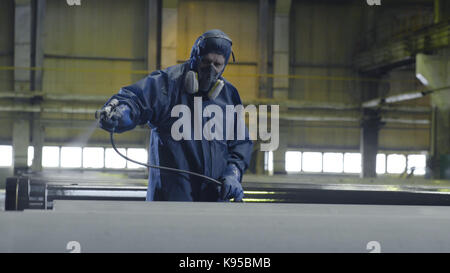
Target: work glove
x,y
231,187
116,118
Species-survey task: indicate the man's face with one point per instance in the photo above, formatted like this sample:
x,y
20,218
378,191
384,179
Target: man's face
x,y
209,69
217,61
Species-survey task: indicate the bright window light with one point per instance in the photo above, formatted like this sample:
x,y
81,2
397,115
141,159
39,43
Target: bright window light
x,y
137,154
6,155
352,162
30,155
268,161
93,157
333,162
71,157
396,163
418,162
293,161
312,162
50,156
113,160
381,163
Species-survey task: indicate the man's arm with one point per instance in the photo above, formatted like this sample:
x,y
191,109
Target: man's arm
x,y
240,155
142,102
239,150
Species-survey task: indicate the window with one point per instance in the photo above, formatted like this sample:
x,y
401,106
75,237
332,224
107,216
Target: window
x,y
6,154
312,162
396,163
30,156
113,160
418,162
137,154
71,157
50,156
333,162
268,161
352,162
93,157
293,161
381,163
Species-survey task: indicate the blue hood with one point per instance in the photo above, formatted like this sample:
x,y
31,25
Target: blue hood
x,y
212,41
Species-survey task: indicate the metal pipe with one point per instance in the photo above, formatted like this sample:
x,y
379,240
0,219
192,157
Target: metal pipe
x,y
91,111
302,105
95,58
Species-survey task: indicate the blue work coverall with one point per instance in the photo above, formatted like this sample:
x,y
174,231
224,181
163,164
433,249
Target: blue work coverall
x,y
151,101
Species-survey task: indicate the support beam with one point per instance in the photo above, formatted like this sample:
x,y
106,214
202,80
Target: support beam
x,y
38,44
37,131
169,33
257,160
23,82
434,72
370,127
154,35
281,49
21,140
22,44
38,136
263,41
279,155
281,67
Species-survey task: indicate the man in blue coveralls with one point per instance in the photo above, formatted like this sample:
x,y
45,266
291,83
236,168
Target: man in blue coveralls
x,y
151,101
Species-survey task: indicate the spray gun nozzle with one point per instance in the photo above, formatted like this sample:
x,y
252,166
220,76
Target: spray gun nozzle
x,y
106,112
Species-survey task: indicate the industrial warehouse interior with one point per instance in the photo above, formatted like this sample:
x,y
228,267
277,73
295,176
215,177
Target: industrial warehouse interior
x,y
345,105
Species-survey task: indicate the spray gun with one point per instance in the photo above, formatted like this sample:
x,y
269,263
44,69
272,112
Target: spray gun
x,y
107,112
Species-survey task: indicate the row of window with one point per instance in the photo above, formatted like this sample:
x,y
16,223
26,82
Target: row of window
x,y
295,161
79,157
316,162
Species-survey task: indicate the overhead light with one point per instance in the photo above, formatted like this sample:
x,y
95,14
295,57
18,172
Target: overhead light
x,y
422,79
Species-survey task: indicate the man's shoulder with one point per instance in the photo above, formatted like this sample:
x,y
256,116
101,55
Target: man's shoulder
x,y
229,85
174,72
232,89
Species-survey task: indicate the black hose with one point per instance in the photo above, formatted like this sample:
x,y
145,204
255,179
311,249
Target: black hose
x,y
161,167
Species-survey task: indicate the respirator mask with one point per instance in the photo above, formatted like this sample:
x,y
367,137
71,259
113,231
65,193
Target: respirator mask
x,y
208,76
206,80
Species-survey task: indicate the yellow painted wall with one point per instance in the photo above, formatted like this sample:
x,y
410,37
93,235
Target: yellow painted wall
x,y
101,28
6,59
324,37
393,139
317,135
6,43
76,135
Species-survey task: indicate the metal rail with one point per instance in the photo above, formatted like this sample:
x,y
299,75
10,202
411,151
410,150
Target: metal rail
x,y
29,193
